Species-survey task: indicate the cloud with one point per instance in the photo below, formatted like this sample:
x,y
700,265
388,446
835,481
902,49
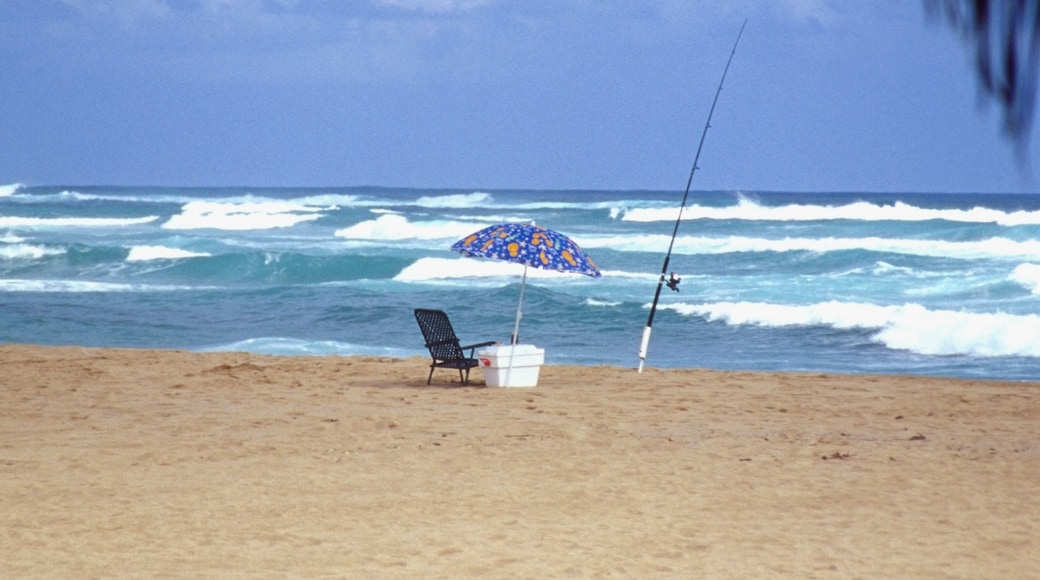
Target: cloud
x,y
125,12
379,41
818,10
819,14
247,5
829,14
435,6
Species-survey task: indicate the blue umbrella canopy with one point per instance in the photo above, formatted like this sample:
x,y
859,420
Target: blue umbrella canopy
x,y
529,245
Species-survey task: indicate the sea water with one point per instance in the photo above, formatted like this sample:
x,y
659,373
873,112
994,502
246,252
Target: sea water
x,y
929,284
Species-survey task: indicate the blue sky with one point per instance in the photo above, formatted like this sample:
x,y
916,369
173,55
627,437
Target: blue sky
x,y
822,95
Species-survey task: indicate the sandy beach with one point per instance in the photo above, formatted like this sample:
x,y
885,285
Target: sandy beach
x,y
143,463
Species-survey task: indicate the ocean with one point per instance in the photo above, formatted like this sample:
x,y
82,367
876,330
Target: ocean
x,y
893,283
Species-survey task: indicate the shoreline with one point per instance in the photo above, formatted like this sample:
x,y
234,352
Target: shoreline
x,y
178,463
421,355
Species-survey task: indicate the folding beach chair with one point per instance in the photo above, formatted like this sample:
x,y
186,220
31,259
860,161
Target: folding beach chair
x,y
444,346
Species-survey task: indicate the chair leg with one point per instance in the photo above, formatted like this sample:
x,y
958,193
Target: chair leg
x,y
466,379
430,378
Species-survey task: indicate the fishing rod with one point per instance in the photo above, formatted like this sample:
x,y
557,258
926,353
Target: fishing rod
x,y
673,280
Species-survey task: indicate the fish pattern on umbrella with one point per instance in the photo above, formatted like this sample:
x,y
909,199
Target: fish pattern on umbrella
x,y
528,244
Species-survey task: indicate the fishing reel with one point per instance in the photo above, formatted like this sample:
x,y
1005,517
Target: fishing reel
x,y
673,282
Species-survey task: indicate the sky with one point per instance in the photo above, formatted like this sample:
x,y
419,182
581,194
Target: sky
x,y
822,95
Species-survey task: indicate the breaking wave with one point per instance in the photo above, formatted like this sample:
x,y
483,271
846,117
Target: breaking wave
x,y
910,327
747,209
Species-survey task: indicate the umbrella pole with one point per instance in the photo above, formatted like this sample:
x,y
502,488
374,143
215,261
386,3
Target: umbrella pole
x,y
516,328
519,310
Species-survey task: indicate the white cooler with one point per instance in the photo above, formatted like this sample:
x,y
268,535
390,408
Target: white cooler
x,y
511,365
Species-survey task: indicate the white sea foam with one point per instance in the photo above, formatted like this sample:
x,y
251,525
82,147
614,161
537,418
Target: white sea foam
x,y
747,209
909,327
440,269
392,226
882,267
479,199
146,253
612,207
65,195
322,201
163,195
10,189
996,247
71,222
297,347
81,286
27,252
606,303
252,215
460,200
327,200
1027,275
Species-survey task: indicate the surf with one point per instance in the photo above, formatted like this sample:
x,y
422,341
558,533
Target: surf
x,y
910,327
750,210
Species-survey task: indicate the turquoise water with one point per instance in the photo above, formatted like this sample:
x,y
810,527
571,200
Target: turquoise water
x,y
931,284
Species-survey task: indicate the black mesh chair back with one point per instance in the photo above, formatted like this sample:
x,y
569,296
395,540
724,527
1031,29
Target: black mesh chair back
x,y
443,344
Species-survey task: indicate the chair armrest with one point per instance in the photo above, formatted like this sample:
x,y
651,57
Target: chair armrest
x,y
474,347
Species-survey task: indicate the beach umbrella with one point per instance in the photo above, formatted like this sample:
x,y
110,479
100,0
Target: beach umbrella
x,y
530,245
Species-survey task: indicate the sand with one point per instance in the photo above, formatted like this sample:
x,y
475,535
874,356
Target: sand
x,y
143,463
